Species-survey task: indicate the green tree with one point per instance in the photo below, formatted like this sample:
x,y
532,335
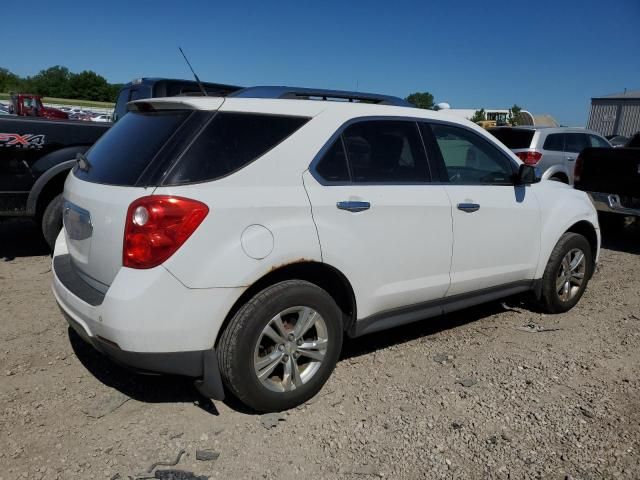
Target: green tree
x,y
52,82
514,115
8,81
479,116
421,100
88,85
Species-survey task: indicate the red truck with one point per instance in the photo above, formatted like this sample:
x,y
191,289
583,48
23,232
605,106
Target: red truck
x,y
27,105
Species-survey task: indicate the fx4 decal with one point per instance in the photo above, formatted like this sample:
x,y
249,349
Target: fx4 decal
x,y
27,140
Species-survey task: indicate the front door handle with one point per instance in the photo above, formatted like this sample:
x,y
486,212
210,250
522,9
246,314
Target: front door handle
x,y
353,206
469,207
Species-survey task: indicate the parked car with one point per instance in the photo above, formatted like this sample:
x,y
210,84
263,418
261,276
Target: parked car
x,y
37,154
552,150
35,157
28,105
101,118
236,240
612,179
617,141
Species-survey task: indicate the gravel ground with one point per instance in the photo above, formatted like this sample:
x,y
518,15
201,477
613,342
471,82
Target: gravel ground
x,y
491,392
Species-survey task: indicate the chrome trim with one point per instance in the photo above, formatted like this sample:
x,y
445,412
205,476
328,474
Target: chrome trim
x,y
610,203
469,207
353,206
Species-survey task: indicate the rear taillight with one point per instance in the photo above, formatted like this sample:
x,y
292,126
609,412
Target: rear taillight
x,y
577,170
157,226
529,158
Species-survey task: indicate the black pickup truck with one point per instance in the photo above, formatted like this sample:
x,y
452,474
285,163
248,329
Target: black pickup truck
x,y
37,154
611,176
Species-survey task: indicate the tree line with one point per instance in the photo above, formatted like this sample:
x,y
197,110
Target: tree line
x,y
59,82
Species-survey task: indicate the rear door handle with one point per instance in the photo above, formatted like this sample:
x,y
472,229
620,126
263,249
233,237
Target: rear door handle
x,y
469,207
353,206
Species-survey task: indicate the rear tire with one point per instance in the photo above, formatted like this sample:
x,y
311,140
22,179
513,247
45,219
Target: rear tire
x,y
567,273
52,220
260,345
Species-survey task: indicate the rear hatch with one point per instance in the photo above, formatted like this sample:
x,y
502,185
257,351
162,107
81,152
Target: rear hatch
x,y
125,164
515,139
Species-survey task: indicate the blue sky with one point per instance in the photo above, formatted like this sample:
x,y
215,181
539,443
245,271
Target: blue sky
x,y
547,56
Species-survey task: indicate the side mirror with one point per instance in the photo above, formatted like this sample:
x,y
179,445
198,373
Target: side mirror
x,y
527,174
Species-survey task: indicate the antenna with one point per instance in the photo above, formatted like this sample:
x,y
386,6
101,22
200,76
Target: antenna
x,y
204,92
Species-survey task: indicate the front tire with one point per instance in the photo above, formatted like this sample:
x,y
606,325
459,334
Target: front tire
x,y
567,273
280,348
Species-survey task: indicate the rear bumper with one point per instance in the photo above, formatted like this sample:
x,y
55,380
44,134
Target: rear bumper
x,y
610,203
147,320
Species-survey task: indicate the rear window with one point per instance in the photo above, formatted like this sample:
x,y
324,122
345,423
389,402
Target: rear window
x,y
229,142
126,149
513,138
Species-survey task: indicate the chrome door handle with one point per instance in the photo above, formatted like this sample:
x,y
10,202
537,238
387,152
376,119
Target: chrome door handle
x,y
353,206
571,159
469,207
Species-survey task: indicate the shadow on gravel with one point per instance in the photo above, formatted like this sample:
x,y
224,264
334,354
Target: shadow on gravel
x,y
144,388
621,239
20,238
355,347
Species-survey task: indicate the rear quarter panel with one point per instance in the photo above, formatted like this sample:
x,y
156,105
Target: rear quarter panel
x,y
268,193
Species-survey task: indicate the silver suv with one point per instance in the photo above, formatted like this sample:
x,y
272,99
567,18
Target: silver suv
x,y
552,150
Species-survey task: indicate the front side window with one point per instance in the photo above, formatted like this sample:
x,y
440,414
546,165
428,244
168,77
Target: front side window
x,y
598,142
229,142
388,151
554,142
469,159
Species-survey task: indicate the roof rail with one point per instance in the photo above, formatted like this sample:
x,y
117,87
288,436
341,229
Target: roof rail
x,y
301,93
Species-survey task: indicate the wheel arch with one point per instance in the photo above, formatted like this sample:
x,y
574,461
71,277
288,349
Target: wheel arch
x,y
556,171
321,274
587,230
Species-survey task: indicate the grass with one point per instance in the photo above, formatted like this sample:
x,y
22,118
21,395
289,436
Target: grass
x,y
67,101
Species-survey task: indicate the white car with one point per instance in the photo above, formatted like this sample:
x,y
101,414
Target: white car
x,y
237,240
101,118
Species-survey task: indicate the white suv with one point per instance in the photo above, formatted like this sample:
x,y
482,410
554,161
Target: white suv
x,y
237,240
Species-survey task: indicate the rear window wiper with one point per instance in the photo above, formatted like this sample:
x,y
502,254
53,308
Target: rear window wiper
x,y
83,162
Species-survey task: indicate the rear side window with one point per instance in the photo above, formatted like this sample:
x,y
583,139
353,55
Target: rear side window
x,y
513,138
576,142
386,151
554,142
333,166
121,155
229,142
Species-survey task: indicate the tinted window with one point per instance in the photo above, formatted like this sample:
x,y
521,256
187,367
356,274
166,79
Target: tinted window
x,y
576,142
598,142
386,151
554,142
470,159
333,165
125,150
229,142
513,138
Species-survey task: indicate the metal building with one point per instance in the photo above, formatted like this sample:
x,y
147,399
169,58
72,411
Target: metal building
x,y
617,114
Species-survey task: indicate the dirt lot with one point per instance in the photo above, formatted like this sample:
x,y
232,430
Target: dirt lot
x,y
490,392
